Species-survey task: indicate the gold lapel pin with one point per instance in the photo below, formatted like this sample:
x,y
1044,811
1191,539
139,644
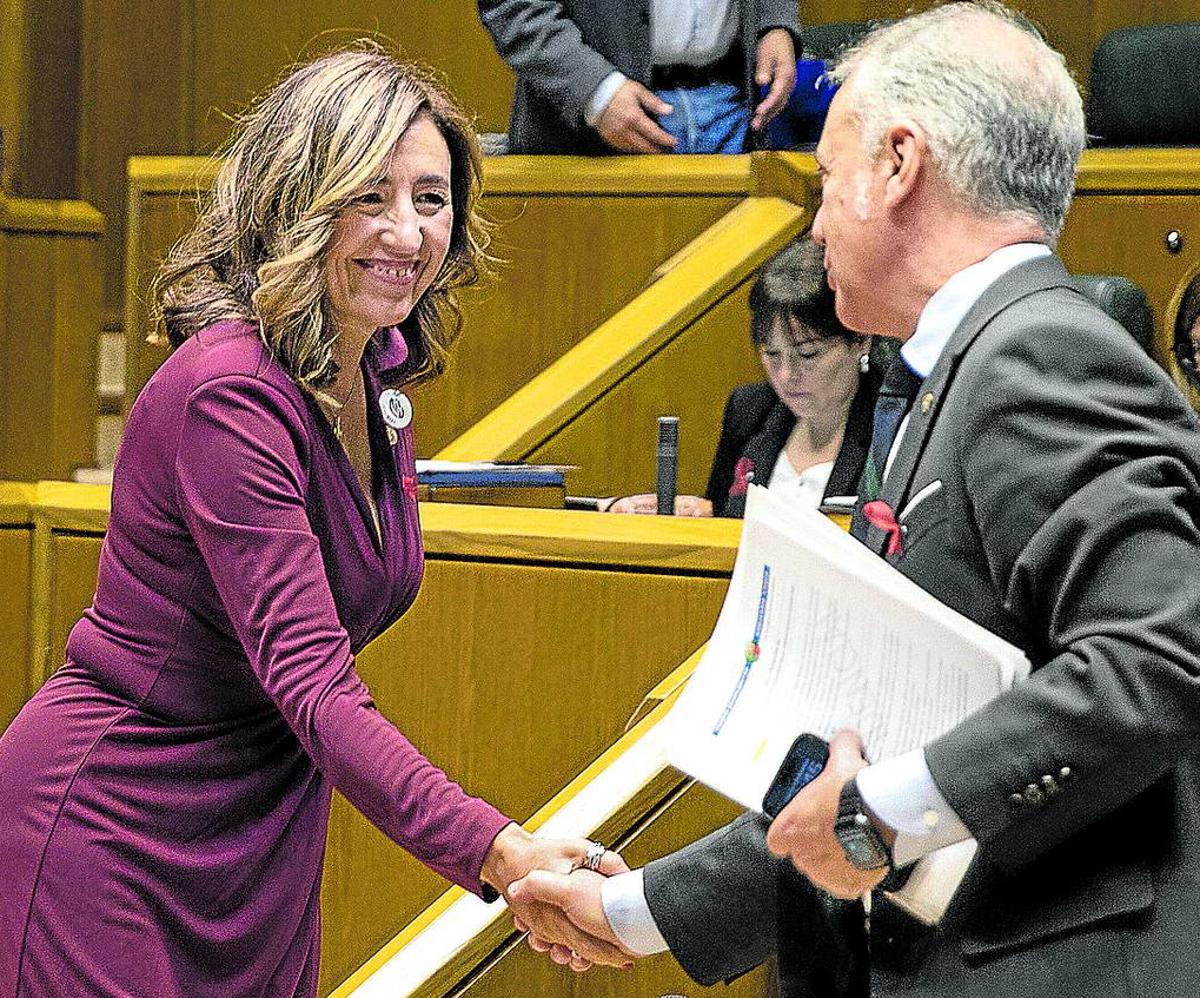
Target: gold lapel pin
x,y
926,402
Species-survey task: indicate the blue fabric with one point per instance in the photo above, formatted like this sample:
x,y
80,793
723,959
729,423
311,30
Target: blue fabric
x,y
712,118
900,385
801,120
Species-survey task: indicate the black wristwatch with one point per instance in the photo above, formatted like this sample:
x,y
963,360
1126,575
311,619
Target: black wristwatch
x,y
860,839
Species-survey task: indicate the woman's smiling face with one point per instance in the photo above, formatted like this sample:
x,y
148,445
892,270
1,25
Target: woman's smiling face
x,y
390,243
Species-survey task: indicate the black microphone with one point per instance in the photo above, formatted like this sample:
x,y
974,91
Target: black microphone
x,y
668,463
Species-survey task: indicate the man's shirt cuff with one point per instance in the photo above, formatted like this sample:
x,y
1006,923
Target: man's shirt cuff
x,y
602,96
628,914
902,794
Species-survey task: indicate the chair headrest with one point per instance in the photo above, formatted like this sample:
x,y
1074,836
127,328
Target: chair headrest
x,y
1123,300
826,41
1144,88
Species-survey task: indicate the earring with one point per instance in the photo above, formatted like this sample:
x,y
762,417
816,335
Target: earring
x,y
864,363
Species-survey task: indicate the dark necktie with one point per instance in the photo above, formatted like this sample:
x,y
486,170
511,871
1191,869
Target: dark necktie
x,y
896,394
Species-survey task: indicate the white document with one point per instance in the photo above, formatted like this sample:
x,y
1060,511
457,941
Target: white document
x,y
817,634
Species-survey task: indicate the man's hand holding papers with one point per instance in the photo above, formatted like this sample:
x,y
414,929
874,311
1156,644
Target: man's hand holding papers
x,y
819,635
803,831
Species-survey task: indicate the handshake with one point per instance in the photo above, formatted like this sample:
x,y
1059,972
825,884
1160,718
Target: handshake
x,y
554,887
553,891
563,913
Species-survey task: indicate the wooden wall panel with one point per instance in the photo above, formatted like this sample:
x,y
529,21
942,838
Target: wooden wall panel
x,y
137,98
520,971
14,99
39,97
447,36
48,337
614,438
1072,26
16,557
513,678
571,262
47,158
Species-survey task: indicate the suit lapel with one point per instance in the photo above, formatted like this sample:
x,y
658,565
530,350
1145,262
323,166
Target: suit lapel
x,y
1023,280
763,449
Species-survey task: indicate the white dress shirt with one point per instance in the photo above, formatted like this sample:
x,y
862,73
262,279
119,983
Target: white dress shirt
x,y
900,791
693,32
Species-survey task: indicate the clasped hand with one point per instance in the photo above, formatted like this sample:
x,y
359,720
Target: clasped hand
x,y
554,900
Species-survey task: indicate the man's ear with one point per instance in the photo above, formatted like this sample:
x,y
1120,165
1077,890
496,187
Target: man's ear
x,y
905,156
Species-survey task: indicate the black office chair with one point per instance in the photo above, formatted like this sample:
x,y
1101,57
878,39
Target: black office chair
x,y
1124,301
1145,87
1181,344
826,41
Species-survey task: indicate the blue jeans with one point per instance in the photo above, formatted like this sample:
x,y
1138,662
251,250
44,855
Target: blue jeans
x,y
712,118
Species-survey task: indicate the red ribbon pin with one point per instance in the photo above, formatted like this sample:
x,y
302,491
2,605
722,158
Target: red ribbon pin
x,y
879,514
743,471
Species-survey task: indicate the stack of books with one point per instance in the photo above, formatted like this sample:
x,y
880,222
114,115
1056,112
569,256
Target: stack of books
x,y
492,483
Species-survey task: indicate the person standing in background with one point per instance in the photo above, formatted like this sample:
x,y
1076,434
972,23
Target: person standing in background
x,y
644,76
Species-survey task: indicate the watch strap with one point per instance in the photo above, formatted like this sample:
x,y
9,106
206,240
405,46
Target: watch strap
x,y
854,828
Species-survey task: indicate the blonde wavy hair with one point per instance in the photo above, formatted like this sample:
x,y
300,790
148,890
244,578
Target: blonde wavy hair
x,y
294,163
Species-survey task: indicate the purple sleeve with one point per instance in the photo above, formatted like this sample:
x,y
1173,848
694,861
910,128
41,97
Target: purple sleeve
x,y
241,472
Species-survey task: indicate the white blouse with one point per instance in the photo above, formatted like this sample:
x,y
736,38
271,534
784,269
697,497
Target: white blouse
x,y
807,487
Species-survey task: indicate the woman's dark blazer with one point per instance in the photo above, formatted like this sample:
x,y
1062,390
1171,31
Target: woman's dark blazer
x,y
755,428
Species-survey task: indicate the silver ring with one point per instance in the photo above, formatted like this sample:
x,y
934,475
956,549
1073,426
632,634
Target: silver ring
x,y
594,856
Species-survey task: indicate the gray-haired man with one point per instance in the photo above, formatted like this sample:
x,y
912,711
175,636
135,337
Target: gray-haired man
x,y
1048,484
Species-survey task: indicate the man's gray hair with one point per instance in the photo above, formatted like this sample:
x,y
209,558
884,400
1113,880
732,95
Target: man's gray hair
x,y
1002,117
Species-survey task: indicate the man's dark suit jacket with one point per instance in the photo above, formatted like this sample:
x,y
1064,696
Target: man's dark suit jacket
x,y
754,430
1065,521
562,50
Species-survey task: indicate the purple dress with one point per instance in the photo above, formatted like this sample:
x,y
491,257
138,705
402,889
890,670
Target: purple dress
x,y
165,794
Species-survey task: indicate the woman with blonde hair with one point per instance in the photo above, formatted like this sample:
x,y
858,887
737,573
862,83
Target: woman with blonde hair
x,y
166,792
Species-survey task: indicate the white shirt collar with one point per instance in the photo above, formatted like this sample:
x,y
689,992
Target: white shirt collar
x,y
954,299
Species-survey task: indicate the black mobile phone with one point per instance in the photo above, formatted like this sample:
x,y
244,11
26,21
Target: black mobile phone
x,y
802,764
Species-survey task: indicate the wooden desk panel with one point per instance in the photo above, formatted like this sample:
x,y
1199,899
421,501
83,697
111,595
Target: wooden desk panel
x,y
512,678
73,562
678,349
614,439
1125,233
575,238
570,262
16,557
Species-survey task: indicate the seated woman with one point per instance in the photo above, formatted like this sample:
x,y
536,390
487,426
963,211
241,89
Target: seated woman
x,y
806,429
